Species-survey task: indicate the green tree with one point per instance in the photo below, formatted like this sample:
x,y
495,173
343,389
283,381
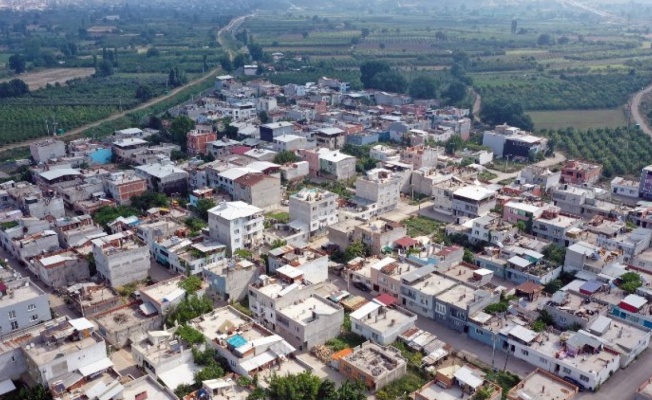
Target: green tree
x,y
144,93
190,334
285,157
225,63
263,117
18,63
153,52
202,207
630,282
106,214
179,129
149,200
369,69
455,92
355,249
468,257
104,68
303,386
423,87
191,284
544,40
501,110
555,253
389,81
189,308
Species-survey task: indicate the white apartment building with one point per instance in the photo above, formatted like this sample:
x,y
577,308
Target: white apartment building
x,y
120,259
381,324
380,187
315,209
22,304
236,224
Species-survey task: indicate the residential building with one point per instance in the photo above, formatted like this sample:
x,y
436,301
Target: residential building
x,y
540,176
61,268
421,156
544,385
22,305
313,209
295,171
571,309
507,141
42,152
472,201
259,190
387,273
335,165
377,235
164,177
248,347
419,288
374,365
379,189
384,153
121,259
197,141
166,357
65,353
269,131
123,185
236,224
645,183
289,143
455,306
513,212
518,263
32,245
147,386
580,173
554,227
90,299
456,381
311,264
120,324
229,279
586,360
624,187
124,148
492,229
74,231
163,295
331,137
381,324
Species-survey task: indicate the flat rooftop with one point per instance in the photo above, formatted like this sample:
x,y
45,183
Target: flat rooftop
x,y
121,318
542,385
20,291
434,285
149,385
376,359
42,354
219,322
460,296
577,305
304,311
160,290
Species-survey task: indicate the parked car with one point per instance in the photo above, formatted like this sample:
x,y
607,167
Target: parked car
x,y
362,286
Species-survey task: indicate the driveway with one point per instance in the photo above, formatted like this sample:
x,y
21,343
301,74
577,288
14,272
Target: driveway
x,y
548,162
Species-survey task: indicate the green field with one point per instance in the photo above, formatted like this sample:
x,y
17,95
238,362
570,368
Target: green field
x,y
579,119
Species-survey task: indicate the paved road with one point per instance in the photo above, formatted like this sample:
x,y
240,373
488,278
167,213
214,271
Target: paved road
x,y
636,112
458,340
232,25
558,158
477,104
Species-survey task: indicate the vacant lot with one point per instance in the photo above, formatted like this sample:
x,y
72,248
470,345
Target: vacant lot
x,y
38,80
578,119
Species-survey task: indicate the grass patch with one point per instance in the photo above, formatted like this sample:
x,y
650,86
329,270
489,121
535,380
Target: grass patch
x,y
506,380
243,307
127,290
578,119
281,217
487,176
345,341
423,226
409,383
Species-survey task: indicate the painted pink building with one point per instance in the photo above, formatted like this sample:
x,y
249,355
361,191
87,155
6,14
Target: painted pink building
x,y
514,212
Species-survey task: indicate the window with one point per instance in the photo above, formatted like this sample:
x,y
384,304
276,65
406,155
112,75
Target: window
x,y
12,314
440,308
524,352
584,378
35,317
14,325
361,375
479,331
543,360
566,370
31,307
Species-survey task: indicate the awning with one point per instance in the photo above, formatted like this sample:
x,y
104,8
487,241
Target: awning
x,y
258,361
183,374
148,308
386,299
6,386
97,366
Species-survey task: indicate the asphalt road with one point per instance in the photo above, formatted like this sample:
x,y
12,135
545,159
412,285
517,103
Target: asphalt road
x,y
621,386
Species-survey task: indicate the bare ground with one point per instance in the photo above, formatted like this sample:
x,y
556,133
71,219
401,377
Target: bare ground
x,y
38,80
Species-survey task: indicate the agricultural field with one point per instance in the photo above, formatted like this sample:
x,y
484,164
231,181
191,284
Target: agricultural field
x,y
40,79
579,119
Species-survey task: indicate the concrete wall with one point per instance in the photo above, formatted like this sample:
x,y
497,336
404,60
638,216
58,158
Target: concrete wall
x,y
124,267
65,274
317,332
26,312
12,364
232,285
53,207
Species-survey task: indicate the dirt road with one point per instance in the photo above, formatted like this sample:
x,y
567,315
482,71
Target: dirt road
x,y
636,112
477,103
232,25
